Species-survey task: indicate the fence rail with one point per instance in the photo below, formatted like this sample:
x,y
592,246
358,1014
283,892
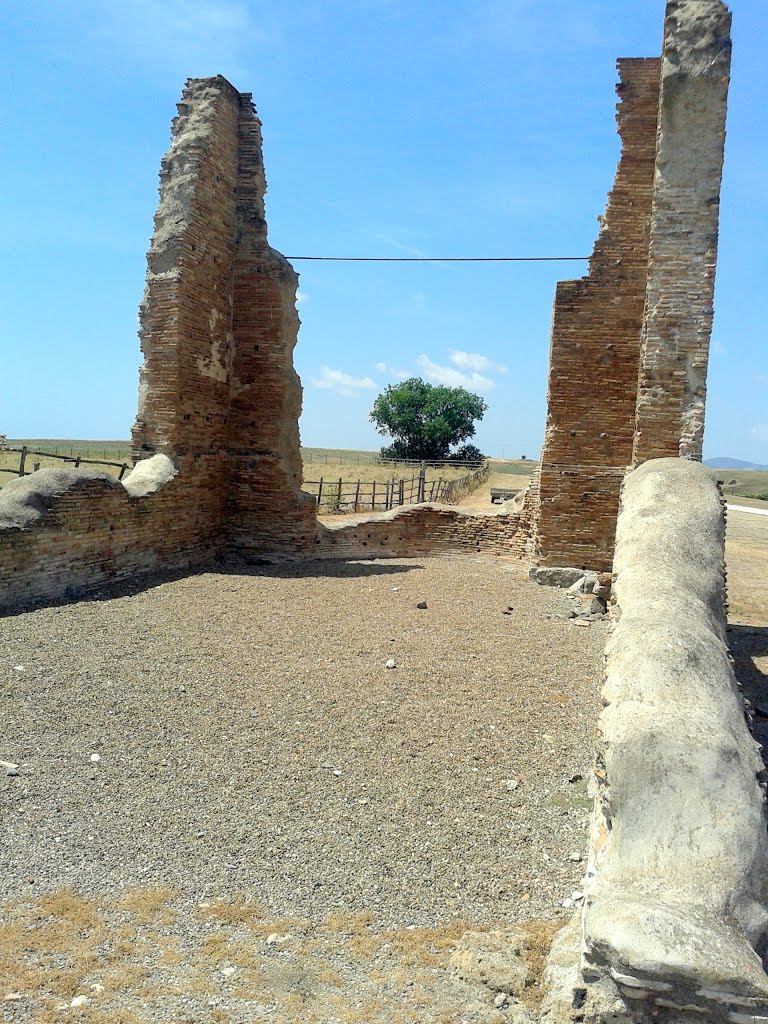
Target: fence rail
x,y
76,460
340,497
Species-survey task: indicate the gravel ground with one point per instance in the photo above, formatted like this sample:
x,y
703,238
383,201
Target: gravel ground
x,y
238,735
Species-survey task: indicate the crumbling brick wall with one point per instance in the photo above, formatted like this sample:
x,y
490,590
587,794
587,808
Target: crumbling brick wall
x,y
684,230
595,348
218,394
630,342
423,530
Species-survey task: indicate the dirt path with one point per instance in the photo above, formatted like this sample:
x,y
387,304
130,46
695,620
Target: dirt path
x,y
480,500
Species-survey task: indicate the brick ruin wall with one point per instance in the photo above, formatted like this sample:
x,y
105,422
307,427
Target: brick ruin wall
x,y
219,397
218,394
684,232
595,349
630,341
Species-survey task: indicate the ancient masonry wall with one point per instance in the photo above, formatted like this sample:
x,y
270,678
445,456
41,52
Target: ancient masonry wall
x,y
218,395
674,913
684,229
630,342
422,530
595,348
266,508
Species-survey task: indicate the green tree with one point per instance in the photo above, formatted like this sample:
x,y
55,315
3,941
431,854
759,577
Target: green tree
x,y
425,420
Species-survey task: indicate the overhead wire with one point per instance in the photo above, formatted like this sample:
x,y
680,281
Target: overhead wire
x,y
443,259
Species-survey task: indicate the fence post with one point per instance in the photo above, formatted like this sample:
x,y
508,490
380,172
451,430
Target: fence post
x,y
340,494
35,466
319,493
123,468
422,481
357,494
22,459
402,494
373,497
77,462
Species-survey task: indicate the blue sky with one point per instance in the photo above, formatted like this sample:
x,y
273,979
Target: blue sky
x,y
391,127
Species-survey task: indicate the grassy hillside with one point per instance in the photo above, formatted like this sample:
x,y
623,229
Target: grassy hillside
x,y
748,483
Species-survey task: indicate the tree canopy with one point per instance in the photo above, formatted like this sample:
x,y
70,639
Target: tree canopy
x,y
425,421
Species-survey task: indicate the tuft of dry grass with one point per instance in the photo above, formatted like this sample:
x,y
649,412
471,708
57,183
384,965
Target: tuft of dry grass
x,y
148,906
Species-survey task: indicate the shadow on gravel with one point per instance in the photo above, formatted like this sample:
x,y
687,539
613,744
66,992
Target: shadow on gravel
x,y
749,647
304,569
330,568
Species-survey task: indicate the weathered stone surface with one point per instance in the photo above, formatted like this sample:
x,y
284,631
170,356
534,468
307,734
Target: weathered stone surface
x,y
149,475
28,498
684,226
556,576
678,875
493,959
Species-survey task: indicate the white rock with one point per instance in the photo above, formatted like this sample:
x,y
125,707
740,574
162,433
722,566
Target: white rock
x,y
18,668
567,903
94,758
511,784
577,895
79,1001
500,1000
391,663
97,988
575,856
228,971
276,939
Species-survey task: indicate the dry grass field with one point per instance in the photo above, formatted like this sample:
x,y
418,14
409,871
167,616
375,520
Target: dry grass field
x,y
747,483
330,464
746,556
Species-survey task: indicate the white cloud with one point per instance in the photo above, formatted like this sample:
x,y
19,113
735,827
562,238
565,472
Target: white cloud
x,y
474,361
760,431
342,383
390,371
453,378
301,297
719,348
202,36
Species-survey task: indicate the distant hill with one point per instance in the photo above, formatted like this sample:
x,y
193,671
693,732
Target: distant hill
x,y
732,464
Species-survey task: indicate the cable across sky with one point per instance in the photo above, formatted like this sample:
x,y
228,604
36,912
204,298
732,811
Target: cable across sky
x,y
443,259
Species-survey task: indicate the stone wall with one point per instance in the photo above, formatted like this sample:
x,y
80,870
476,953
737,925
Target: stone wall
x,y
630,342
65,532
684,229
595,347
677,878
218,395
422,530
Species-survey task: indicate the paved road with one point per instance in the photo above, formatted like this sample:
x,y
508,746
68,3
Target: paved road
x,y
743,508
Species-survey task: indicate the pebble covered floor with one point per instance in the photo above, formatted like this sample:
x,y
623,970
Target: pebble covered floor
x,y
236,738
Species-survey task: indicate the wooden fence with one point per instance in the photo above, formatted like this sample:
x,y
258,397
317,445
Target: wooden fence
x,y
339,496
77,460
